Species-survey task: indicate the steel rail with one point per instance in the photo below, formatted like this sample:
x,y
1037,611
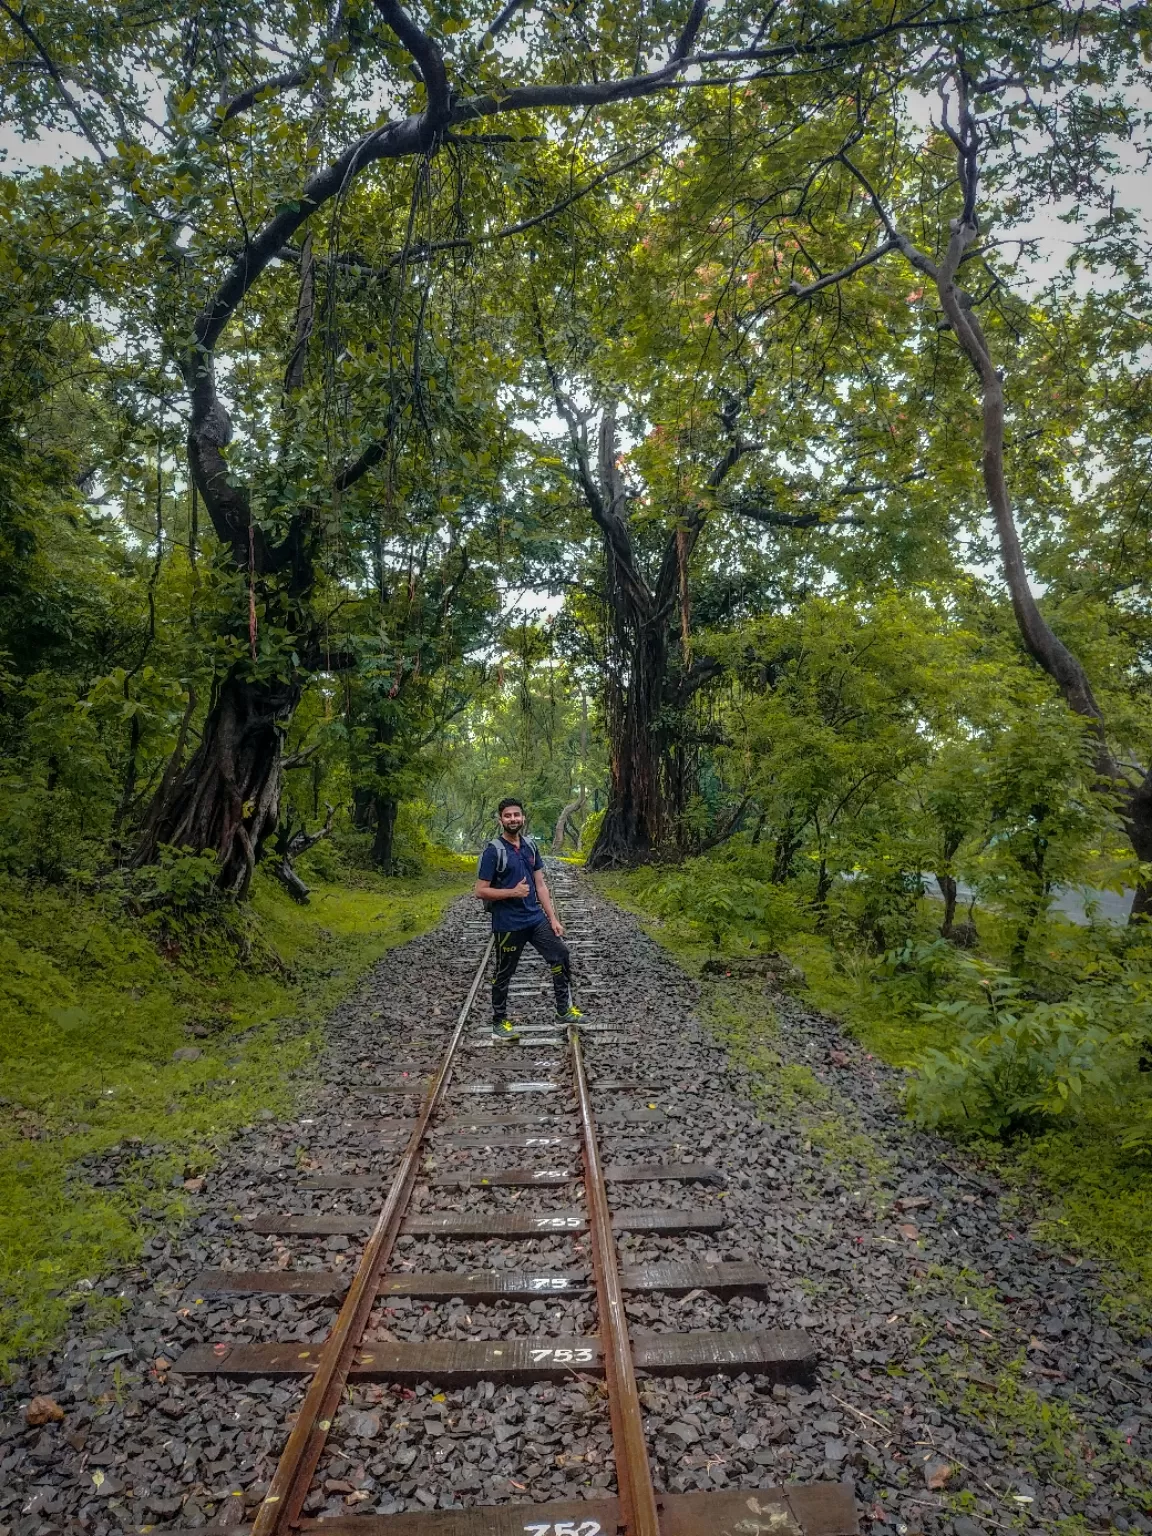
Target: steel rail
x,y
284,1501
638,1514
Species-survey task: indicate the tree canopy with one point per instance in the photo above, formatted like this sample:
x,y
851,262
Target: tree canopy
x,y
398,401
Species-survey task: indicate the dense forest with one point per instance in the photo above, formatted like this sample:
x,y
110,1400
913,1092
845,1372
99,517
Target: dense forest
x,y
728,426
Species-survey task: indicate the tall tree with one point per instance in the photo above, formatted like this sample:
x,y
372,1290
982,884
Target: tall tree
x,y
985,109
174,203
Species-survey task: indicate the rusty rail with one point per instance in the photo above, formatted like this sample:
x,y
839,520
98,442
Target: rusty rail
x,y
820,1509
638,1514
300,1457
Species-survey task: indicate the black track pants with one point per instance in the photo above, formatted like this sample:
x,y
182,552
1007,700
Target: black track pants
x,y
554,951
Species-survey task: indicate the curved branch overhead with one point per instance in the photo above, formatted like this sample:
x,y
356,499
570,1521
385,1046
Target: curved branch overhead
x,y
502,301
417,132
274,85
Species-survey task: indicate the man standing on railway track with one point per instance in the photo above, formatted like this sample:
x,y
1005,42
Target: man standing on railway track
x,y
511,880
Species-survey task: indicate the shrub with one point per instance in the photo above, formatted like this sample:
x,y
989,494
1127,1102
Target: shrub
x,y
1018,1063
180,878
918,970
887,904
722,904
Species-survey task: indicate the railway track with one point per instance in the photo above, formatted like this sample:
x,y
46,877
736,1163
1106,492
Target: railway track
x,y
483,1145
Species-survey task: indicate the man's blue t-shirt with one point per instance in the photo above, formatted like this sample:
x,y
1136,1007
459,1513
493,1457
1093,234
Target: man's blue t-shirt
x,y
514,911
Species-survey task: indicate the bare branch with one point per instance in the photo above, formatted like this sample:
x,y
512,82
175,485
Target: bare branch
x,y
298,759
682,540
799,292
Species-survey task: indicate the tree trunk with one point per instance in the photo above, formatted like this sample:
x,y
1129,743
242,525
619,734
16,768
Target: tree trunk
x,y
228,797
129,789
1138,823
1040,641
823,886
386,809
785,851
646,781
634,821
947,884
561,829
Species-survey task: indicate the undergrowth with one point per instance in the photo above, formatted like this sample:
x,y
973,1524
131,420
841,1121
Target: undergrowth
x,y
94,1001
1043,1075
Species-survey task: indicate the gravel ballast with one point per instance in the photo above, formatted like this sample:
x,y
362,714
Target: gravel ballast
x,y
970,1378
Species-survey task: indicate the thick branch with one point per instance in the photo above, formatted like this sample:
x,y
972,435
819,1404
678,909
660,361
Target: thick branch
x,y
571,809
772,519
611,510
416,134
305,314
702,671
298,759
504,17
300,842
427,56
360,466
290,845
605,496
681,542
1041,642
413,134
687,39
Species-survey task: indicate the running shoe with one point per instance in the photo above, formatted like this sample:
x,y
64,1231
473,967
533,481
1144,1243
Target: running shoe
x,y
504,1029
572,1012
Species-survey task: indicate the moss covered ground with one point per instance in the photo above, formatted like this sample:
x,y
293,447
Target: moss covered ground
x,y
95,1001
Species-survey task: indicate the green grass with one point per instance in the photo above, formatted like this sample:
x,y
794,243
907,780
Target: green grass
x,y
1087,1194
93,1003
1082,1190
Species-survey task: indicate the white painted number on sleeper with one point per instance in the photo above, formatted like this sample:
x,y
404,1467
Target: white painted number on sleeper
x,y
566,1528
